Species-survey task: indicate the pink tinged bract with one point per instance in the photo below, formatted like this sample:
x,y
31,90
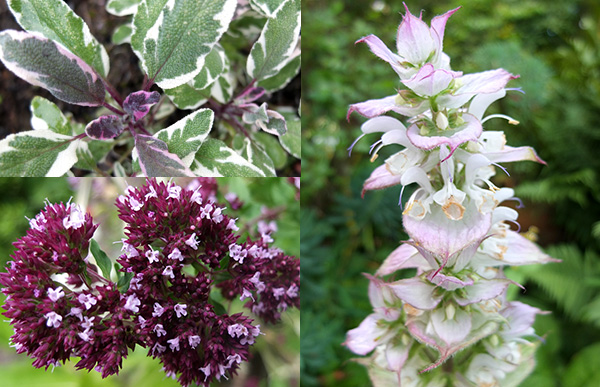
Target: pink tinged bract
x,y
403,257
367,336
451,327
382,51
416,293
483,290
414,40
380,178
470,85
376,107
429,82
470,130
104,128
520,320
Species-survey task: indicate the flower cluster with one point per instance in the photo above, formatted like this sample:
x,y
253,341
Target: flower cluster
x,y
459,236
179,247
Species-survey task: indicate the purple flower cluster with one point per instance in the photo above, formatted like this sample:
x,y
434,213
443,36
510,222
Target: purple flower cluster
x,y
179,245
82,316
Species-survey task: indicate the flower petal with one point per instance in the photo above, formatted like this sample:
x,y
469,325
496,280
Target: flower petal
x,y
451,330
485,82
429,82
509,154
366,337
376,107
403,257
482,290
416,292
381,50
380,178
413,39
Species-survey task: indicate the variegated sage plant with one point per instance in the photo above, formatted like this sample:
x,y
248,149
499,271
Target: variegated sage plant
x,y
192,51
451,324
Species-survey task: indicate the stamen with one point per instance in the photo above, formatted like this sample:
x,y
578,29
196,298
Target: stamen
x,y
510,120
354,143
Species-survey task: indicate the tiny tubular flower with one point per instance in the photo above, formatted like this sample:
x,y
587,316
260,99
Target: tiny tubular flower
x,y
53,319
175,254
87,299
132,303
168,272
180,310
55,294
192,241
152,255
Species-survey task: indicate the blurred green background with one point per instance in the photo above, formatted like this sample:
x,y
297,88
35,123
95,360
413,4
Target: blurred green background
x,y
555,47
275,360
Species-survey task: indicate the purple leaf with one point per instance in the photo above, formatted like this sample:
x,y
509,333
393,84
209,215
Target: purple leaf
x,y
138,104
104,128
156,160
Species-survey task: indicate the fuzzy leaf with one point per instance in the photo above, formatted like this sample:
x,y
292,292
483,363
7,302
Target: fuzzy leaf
x,y
188,97
101,258
283,77
122,7
38,153
48,64
45,115
56,21
222,88
156,160
172,38
216,63
254,151
185,137
266,7
290,141
105,128
122,34
277,42
216,159
138,104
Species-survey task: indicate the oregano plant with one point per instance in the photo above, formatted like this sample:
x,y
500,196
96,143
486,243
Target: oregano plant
x,y
447,321
221,60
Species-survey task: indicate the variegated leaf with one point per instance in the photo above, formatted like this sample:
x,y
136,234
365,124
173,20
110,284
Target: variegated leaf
x,y
38,153
155,159
56,21
48,64
276,45
45,115
216,63
283,77
105,128
290,141
122,7
122,34
137,104
266,7
254,151
173,37
185,137
222,89
216,159
187,96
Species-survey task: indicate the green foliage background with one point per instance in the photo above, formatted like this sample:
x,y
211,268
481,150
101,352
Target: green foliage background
x,y
555,47
275,356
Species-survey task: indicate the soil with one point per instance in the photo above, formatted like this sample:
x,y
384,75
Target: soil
x,y
125,75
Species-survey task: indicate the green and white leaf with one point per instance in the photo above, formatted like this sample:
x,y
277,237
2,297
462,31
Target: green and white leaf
x,y
283,77
216,159
188,97
216,63
45,115
185,137
266,7
273,149
255,153
277,42
173,37
155,160
247,27
38,153
222,89
45,63
122,34
290,141
122,7
88,157
56,21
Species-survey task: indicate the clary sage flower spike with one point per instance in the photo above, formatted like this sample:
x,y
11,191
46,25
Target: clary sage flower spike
x,y
459,233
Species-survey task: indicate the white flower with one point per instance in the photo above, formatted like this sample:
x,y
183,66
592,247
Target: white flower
x,y
174,192
75,219
192,242
176,254
168,272
158,310
152,255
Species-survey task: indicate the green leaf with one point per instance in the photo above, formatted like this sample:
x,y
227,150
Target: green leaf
x,y
172,38
187,97
45,63
584,368
155,159
283,77
38,153
222,89
122,34
277,43
123,282
266,7
56,21
216,63
290,141
45,115
271,146
216,159
101,258
185,137
88,157
255,153
217,307
122,7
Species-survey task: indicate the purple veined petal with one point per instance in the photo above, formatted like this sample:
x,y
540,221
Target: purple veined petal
x,y
105,128
520,318
469,131
429,82
366,336
376,107
451,324
380,178
447,282
484,82
416,293
403,257
442,236
138,104
396,355
414,40
509,154
483,290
